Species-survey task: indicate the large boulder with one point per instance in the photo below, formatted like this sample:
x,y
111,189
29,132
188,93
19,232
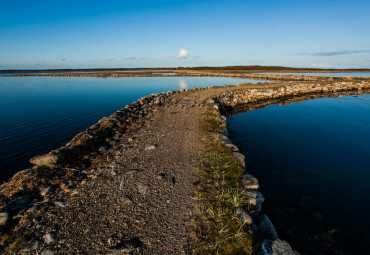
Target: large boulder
x,y
243,215
248,181
266,229
275,247
240,158
254,197
82,139
48,159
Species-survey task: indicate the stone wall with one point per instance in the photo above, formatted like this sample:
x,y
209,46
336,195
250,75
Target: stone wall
x,y
239,97
239,100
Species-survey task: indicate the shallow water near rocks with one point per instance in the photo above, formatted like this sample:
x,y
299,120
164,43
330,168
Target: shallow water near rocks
x,y
312,160
39,114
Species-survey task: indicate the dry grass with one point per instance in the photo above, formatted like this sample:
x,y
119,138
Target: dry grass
x,y
218,230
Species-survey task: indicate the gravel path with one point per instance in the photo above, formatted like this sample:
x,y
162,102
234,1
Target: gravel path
x,y
146,197
137,197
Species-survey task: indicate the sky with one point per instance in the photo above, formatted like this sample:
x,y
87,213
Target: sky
x,y
129,34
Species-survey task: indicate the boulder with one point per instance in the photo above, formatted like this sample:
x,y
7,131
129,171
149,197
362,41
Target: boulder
x,y
275,247
240,158
48,159
248,181
31,245
232,147
254,197
47,252
81,140
225,139
210,101
266,229
4,217
243,215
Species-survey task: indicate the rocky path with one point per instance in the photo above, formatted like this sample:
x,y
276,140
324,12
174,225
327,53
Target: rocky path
x,y
135,197
140,200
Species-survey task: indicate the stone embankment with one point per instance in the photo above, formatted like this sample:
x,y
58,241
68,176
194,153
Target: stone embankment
x,y
127,184
241,100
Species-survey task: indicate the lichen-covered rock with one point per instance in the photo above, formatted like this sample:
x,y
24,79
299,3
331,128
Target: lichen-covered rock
x,y
243,215
254,197
275,247
240,158
232,147
48,159
210,101
4,217
248,181
81,140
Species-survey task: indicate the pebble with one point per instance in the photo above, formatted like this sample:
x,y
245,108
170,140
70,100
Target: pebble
x,y
150,147
125,247
46,191
32,245
47,252
210,101
61,204
4,217
143,188
126,200
49,238
132,171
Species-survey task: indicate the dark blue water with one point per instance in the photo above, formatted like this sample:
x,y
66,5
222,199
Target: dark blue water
x,y
313,163
352,74
39,114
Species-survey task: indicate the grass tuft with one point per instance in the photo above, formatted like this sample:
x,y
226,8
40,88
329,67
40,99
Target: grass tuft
x,y
218,231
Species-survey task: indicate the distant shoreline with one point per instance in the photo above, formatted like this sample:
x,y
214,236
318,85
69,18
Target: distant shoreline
x,y
206,68
196,73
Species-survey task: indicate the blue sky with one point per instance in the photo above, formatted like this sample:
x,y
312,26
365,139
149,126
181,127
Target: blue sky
x,y
90,34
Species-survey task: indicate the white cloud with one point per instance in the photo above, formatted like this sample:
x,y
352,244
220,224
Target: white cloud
x,y
321,66
183,53
132,58
333,53
109,59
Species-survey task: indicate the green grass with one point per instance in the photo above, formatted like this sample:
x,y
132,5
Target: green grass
x,y
218,230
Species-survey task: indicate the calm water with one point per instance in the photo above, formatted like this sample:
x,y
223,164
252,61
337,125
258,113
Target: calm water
x,y
41,72
313,163
358,74
39,114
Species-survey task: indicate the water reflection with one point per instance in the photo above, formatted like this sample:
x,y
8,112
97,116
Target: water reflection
x,y
183,84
